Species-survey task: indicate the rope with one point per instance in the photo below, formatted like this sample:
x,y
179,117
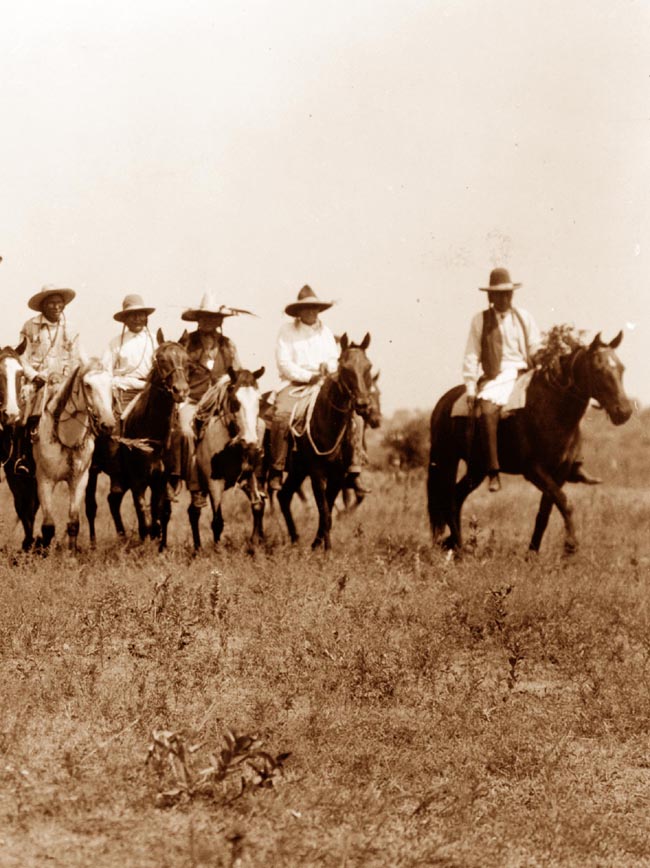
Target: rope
x,y
307,426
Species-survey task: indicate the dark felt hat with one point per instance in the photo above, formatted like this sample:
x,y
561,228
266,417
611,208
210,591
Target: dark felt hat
x,y
500,281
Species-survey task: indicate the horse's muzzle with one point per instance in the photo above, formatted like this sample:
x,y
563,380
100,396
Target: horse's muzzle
x,y
620,414
180,394
362,407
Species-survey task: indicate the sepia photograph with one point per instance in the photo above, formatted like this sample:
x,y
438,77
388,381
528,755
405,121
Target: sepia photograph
x,y
325,434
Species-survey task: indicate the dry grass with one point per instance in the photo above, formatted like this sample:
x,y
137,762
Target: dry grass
x,y
486,712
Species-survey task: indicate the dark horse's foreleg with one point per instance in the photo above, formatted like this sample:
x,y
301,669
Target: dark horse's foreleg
x,y
25,496
291,485
552,496
319,486
90,501
461,492
257,508
115,498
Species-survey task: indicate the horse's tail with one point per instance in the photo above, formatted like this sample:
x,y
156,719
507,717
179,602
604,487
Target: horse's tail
x,y
443,463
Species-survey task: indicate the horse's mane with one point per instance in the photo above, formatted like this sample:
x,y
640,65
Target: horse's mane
x,y
70,383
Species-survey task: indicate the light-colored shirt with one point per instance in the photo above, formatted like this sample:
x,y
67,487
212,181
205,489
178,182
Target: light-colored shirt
x,y
129,358
514,345
301,350
52,348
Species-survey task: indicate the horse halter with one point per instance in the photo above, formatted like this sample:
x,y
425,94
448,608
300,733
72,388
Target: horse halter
x,y
164,377
93,424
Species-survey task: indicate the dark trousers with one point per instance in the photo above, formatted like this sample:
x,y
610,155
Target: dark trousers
x,y
489,423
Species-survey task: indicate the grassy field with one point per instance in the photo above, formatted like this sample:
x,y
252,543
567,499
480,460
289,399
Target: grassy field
x,y
490,711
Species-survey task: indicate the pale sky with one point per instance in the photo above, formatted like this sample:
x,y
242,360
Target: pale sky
x,y
387,153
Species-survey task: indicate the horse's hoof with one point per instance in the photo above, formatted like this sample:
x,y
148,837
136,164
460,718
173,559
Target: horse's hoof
x,y
570,548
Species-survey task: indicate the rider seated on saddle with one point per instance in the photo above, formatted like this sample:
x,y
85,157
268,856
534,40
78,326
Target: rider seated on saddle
x,y
52,351
306,351
211,355
502,344
129,356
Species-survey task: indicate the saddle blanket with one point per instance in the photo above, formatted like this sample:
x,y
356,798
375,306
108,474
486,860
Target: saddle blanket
x,y
516,401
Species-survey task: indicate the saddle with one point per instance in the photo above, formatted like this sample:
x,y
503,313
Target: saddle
x,y
302,409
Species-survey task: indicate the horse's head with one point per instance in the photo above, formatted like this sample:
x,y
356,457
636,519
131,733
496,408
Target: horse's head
x,y
354,374
171,368
11,381
243,405
605,373
373,417
95,385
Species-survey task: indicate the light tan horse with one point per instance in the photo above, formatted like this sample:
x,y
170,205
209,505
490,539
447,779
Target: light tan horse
x,y
65,439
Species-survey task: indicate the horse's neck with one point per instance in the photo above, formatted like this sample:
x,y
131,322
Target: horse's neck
x,y
153,417
334,406
567,401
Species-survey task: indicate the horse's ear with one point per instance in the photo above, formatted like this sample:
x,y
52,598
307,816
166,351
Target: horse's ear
x,y
617,340
232,374
344,341
365,343
259,372
596,343
376,377
160,337
184,338
20,349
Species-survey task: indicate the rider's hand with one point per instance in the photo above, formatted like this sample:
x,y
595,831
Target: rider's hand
x,y
322,370
471,403
314,379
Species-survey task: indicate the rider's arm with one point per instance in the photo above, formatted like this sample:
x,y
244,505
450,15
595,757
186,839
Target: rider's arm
x,y
29,369
287,367
471,360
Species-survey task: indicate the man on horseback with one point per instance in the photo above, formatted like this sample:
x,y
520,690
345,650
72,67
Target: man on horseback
x,y
211,355
130,354
501,345
52,350
306,351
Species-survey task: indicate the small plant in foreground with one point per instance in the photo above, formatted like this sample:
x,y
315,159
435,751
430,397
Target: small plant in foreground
x,y
240,756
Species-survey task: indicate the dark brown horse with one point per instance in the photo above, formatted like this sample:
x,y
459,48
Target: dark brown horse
x,y
539,442
322,451
23,486
143,445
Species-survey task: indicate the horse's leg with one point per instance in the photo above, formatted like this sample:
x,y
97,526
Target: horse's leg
x,y
554,496
45,492
115,499
291,485
319,486
165,515
459,493
194,514
76,489
215,491
138,492
257,508
25,497
541,521
90,500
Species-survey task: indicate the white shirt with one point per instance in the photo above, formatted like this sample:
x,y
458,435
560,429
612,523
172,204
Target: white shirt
x,y
514,345
301,350
129,358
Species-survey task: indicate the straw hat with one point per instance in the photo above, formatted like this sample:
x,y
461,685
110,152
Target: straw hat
x,y
307,300
132,304
500,281
36,301
208,307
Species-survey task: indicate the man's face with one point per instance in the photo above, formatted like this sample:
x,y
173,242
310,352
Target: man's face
x,y
136,321
502,300
208,322
53,307
308,316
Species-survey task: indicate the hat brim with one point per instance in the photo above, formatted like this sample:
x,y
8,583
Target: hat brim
x,y
36,301
501,287
122,315
193,315
295,307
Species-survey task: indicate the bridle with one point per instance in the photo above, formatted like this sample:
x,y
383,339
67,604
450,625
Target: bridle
x,y
92,423
164,376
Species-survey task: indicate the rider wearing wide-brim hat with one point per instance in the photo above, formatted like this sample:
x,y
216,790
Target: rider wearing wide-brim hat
x,y
306,350
211,354
52,350
502,343
129,355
